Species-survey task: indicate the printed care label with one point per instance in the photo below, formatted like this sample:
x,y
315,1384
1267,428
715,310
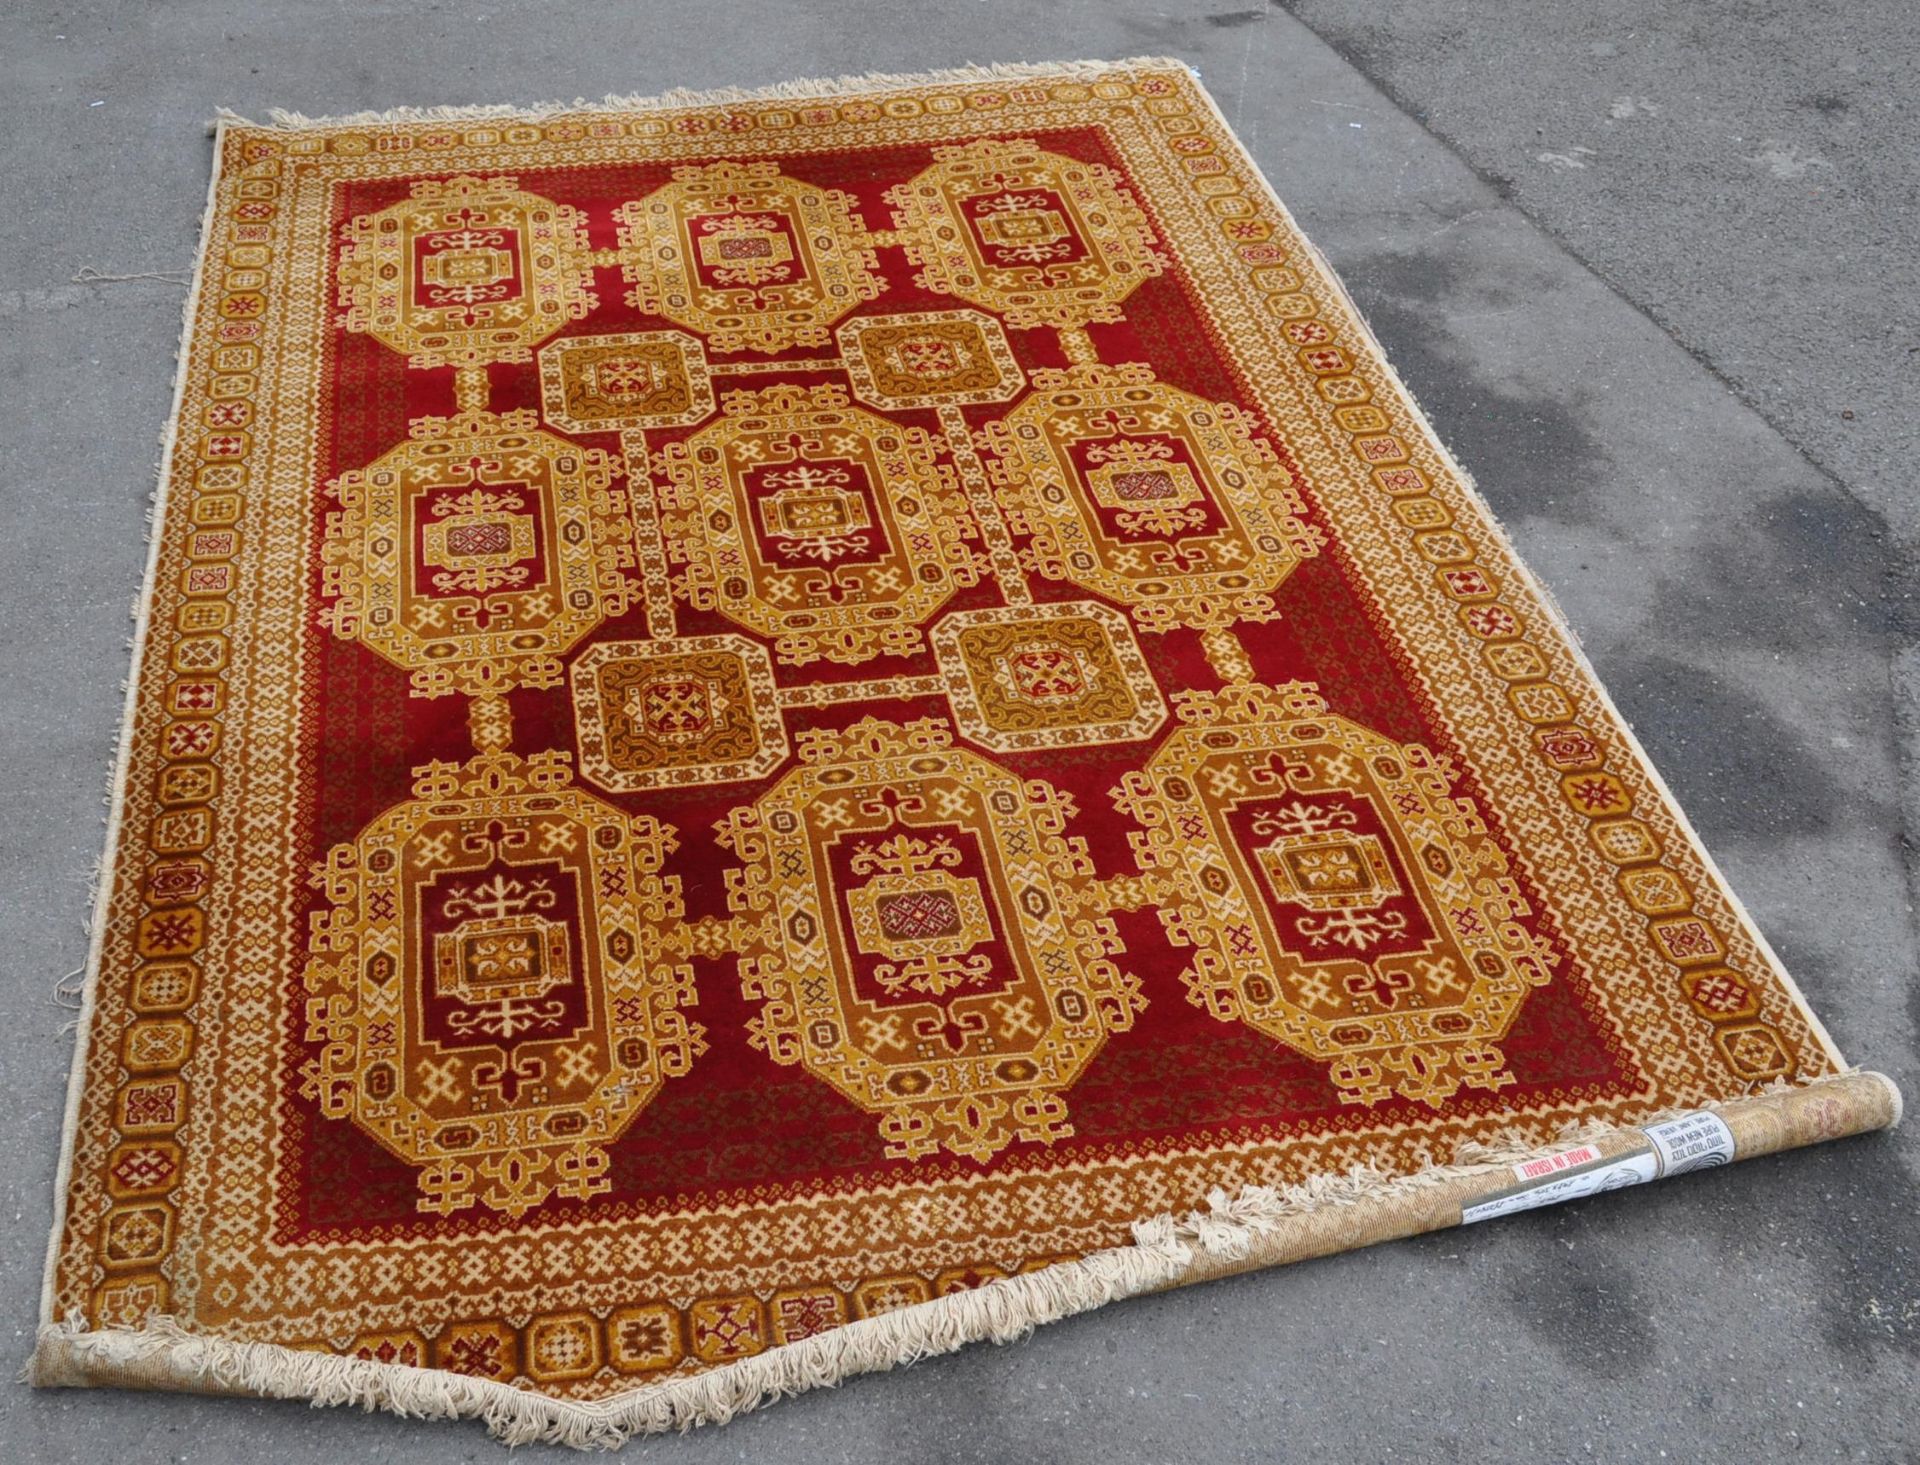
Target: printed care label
x,y
1691,1142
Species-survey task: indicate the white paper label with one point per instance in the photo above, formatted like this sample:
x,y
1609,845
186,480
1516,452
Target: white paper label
x,y
1692,1142
1570,1179
1547,1166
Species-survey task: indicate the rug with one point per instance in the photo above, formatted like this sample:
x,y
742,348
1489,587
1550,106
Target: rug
x,y
776,731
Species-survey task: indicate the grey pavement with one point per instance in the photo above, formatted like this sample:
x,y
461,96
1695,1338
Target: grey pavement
x,y
1637,260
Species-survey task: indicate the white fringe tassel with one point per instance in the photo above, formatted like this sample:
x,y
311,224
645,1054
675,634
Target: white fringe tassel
x,y
1004,71
163,1354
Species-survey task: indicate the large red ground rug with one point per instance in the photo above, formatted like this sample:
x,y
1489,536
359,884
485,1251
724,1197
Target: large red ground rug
x,y
774,732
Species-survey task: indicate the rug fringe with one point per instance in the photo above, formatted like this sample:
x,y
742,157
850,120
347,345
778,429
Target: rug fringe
x,y
876,81
1258,1227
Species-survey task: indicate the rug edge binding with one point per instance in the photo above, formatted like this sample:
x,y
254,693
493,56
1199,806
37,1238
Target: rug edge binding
x,y
1259,1227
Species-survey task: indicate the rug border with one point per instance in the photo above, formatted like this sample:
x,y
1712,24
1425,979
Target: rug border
x,y
1257,1228
1555,615
1260,1227
106,869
